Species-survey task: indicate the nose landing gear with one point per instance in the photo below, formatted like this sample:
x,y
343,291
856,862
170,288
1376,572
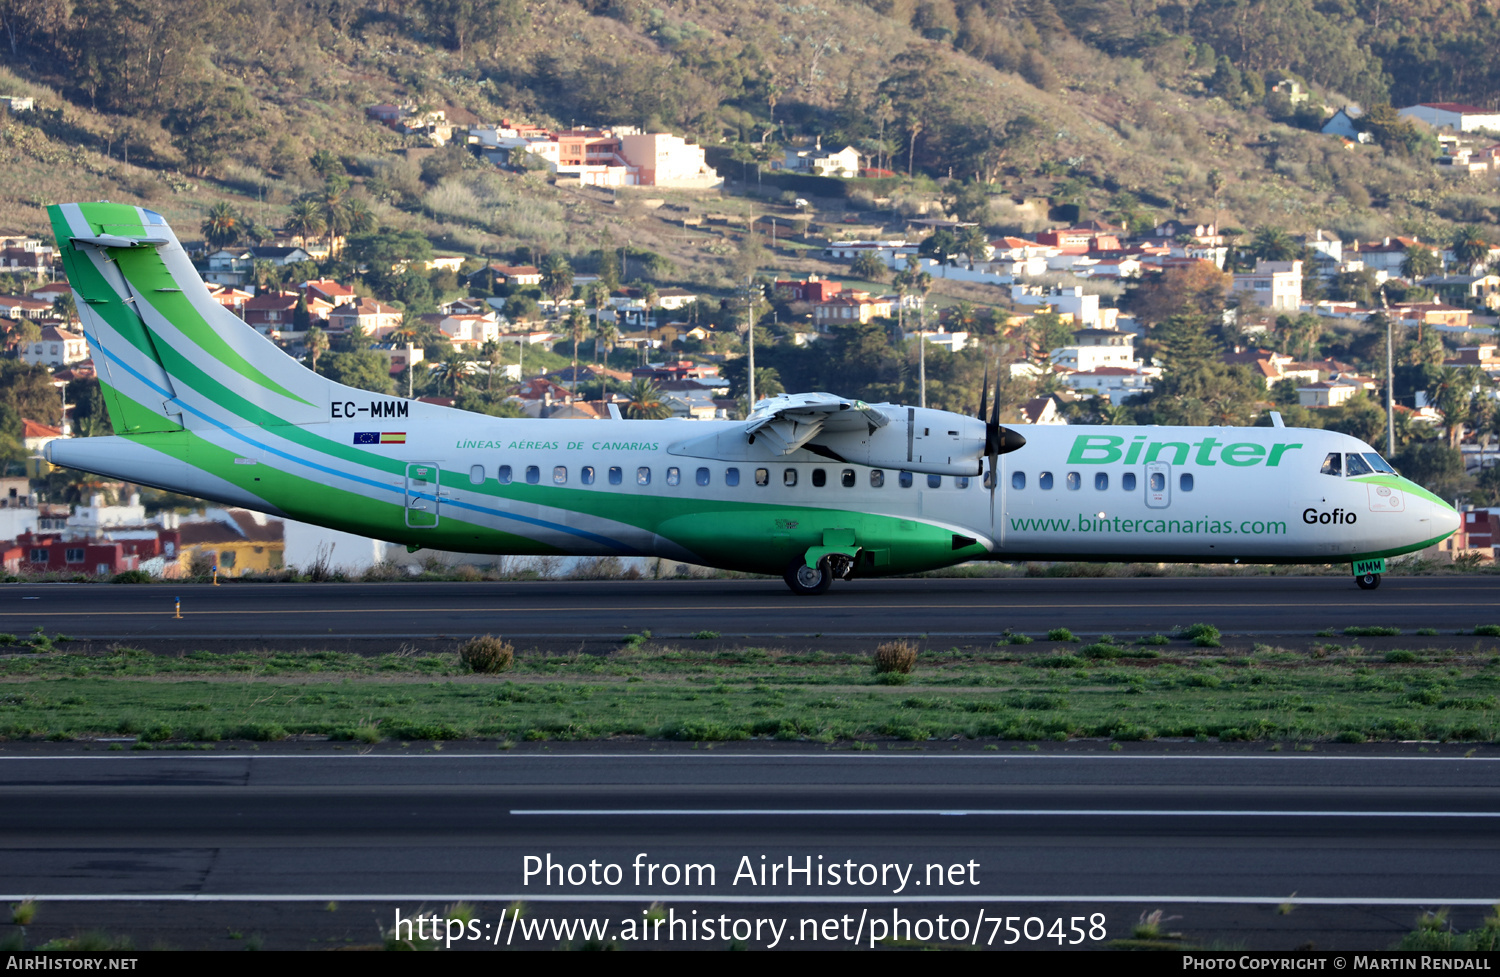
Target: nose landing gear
x,y
1368,581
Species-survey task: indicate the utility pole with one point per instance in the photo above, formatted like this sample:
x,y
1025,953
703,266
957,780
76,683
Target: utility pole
x,y
411,368
1390,384
922,354
750,335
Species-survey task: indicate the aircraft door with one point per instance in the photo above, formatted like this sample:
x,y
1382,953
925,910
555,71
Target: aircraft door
x,y
1158,485
422,494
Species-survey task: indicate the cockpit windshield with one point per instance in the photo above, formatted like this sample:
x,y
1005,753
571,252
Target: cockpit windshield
x,y
1339,464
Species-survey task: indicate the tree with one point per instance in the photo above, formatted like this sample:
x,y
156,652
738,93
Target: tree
x,y
305,221
1470,248
451,368
578,324
868,267
974,244
1431,464
599,295
1393,133
1274,244
1418,262
326,164
316,344
301,317
466,22
557,279
221,227
207,121
1200,290
939,246
645,402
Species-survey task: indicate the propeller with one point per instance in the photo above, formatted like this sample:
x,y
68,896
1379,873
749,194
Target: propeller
x,y
997,440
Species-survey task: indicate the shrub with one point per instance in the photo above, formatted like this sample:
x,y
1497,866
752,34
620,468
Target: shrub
x,y
1154,639
1372,631
131,576
1350,736
261,732
896,656
1101,650
403,729
1202,635
892,678
1486,630
1018,639
1401,656
487,655
1060,634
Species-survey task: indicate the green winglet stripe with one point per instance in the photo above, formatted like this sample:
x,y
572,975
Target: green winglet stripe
x,y
146,273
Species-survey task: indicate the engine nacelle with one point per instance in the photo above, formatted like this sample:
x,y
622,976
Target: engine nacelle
x,y
917,439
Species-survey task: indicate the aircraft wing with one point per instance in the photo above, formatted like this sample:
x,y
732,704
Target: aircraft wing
x,y
788,422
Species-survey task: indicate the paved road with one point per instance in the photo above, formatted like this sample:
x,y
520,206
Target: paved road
x,y
604,609
1219,839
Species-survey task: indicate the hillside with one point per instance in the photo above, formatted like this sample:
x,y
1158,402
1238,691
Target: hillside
x,y
227,101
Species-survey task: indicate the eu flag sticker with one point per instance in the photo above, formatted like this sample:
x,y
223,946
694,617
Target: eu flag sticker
x,y
367,437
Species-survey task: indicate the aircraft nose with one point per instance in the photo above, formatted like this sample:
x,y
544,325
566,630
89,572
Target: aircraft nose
x,y
1445,521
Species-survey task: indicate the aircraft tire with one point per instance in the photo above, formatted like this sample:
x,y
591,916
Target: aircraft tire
x,y
1368,581
807,582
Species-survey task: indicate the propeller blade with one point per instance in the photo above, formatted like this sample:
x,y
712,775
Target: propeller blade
x,y
984,392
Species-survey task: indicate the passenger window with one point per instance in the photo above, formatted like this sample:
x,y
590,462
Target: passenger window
x,y
905,479
846,478
586,475
1185,482
934,481
616,476
476,475
877,478
961,482
820,478
533,474
731,477
1158,482
502,475
560,475
1355,465
674,476
1074,481
1378,463
762,477
1333,464
643,476
1101,481
789,477
1127,481
701,476
1044,481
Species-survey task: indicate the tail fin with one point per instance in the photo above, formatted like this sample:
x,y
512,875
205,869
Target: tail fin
x,y
168,355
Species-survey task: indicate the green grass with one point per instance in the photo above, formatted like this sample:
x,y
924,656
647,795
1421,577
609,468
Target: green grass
x,y
1372,631
693,692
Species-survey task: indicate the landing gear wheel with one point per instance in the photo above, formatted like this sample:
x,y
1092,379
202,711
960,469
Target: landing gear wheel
x,y
1368,581
806,581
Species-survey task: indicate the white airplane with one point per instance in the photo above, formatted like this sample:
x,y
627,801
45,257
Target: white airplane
x,y
811,486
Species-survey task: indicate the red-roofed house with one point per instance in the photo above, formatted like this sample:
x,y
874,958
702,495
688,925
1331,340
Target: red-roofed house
x,y
16,307
812,289
229,297
328,290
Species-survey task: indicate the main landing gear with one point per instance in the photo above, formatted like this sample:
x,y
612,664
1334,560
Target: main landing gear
x,y
806,581
1368,581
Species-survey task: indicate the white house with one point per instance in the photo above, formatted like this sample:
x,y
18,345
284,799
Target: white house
x,y
57,347
1272,285
844,163
1453,115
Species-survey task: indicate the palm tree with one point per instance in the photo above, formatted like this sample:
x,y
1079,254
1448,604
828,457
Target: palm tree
x,y
1469,247
358,216
494,355
905,282
578,324
607,333
305,221
649,299
598,294
316,342
1273,244
768,382
645,402
333,205
1418,262
221,227
451,367
557,279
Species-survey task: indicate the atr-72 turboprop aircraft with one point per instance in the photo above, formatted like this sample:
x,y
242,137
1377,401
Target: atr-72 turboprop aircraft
x,y
811,486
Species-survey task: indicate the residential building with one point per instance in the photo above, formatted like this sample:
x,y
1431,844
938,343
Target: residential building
x,y
1272,285
273,313
231,298
850,306
1345,124
18,103
1114,382
1328,393
48,553
665,160
470,329
328,290
844,163
1089,358
377,320
1478,290
1453,115
56,347
1041,410
18,307
237,541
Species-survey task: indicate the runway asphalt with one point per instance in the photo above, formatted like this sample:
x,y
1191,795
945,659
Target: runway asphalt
x,y
189,847
941,607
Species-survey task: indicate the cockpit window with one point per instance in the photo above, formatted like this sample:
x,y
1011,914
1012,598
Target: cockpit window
x,y
1333,464
1378,463
1355,465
